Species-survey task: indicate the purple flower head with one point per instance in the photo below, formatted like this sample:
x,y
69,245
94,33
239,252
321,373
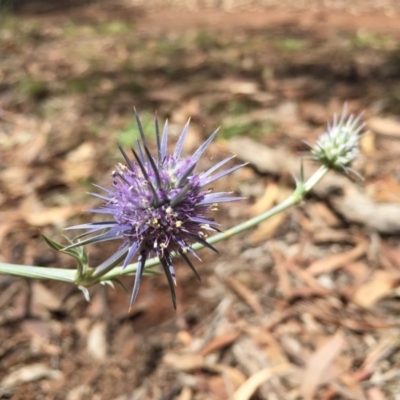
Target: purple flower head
x,y
159,206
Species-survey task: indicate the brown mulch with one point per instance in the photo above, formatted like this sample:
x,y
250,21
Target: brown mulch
x,y
304,306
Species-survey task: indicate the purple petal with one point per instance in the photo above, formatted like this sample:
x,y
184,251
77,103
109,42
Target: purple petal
x,y
181,140
138,277
199,152
131,253
95,239
203,221
216,166
220,175
93,225
114,259
140,127
164,141
158,138
188,262
220,200
167,266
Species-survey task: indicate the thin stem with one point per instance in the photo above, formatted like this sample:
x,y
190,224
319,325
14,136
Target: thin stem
x,y
69,275
297,196
55,274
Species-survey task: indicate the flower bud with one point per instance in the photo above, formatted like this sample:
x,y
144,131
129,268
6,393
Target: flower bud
x,y
338,147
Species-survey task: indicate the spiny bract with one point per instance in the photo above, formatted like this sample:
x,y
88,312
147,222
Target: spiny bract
x,y
159,206
338,147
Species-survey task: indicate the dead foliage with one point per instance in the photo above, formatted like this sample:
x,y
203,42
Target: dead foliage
x,y
305,306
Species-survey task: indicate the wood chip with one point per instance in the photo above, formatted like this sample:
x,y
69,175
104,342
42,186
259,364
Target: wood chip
x,y
255,381
219,343
336,261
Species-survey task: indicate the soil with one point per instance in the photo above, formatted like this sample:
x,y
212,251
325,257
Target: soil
x,y
307,304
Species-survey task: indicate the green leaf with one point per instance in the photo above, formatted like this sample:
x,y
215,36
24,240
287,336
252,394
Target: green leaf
x,y
54,245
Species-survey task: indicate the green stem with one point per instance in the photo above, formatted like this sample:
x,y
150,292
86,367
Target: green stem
x,y
69,275
298,195
55,274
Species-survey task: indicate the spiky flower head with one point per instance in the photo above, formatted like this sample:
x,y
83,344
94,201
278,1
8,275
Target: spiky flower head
x,y
338,147
159,206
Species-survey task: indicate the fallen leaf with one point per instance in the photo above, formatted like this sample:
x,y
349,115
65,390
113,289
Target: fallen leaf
x,y
379,285
80,392
186,393
30,373
336,261
359,270
386,189
374,393
97,341
267,229
235,376
318,365
323,215
367,143
217,387
44,298
51,216
248,388
219,342
332,236
352,386
267,200
246,294
384,126
184,362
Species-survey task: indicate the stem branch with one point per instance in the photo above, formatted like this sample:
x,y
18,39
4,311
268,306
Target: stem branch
x,y
69,275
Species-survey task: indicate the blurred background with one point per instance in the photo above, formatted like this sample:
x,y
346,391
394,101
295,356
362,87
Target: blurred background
x,y
306,305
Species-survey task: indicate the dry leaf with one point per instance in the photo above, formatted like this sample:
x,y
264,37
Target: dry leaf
x,y
44,298
30,373
267,229
184,362
352,387
382,350
51,216
80,392
246,294
268,199
248,388
374,393
186,393
386,189
219,342
359,270
332,236
336,261
217,387
97,341
384,126
235,376
15,180
379,285
323,214
367,143
319,364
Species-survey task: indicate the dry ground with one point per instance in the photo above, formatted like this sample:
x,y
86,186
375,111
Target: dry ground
x,y
304,306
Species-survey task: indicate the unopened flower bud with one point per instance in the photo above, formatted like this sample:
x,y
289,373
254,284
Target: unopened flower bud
x,y
338,147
